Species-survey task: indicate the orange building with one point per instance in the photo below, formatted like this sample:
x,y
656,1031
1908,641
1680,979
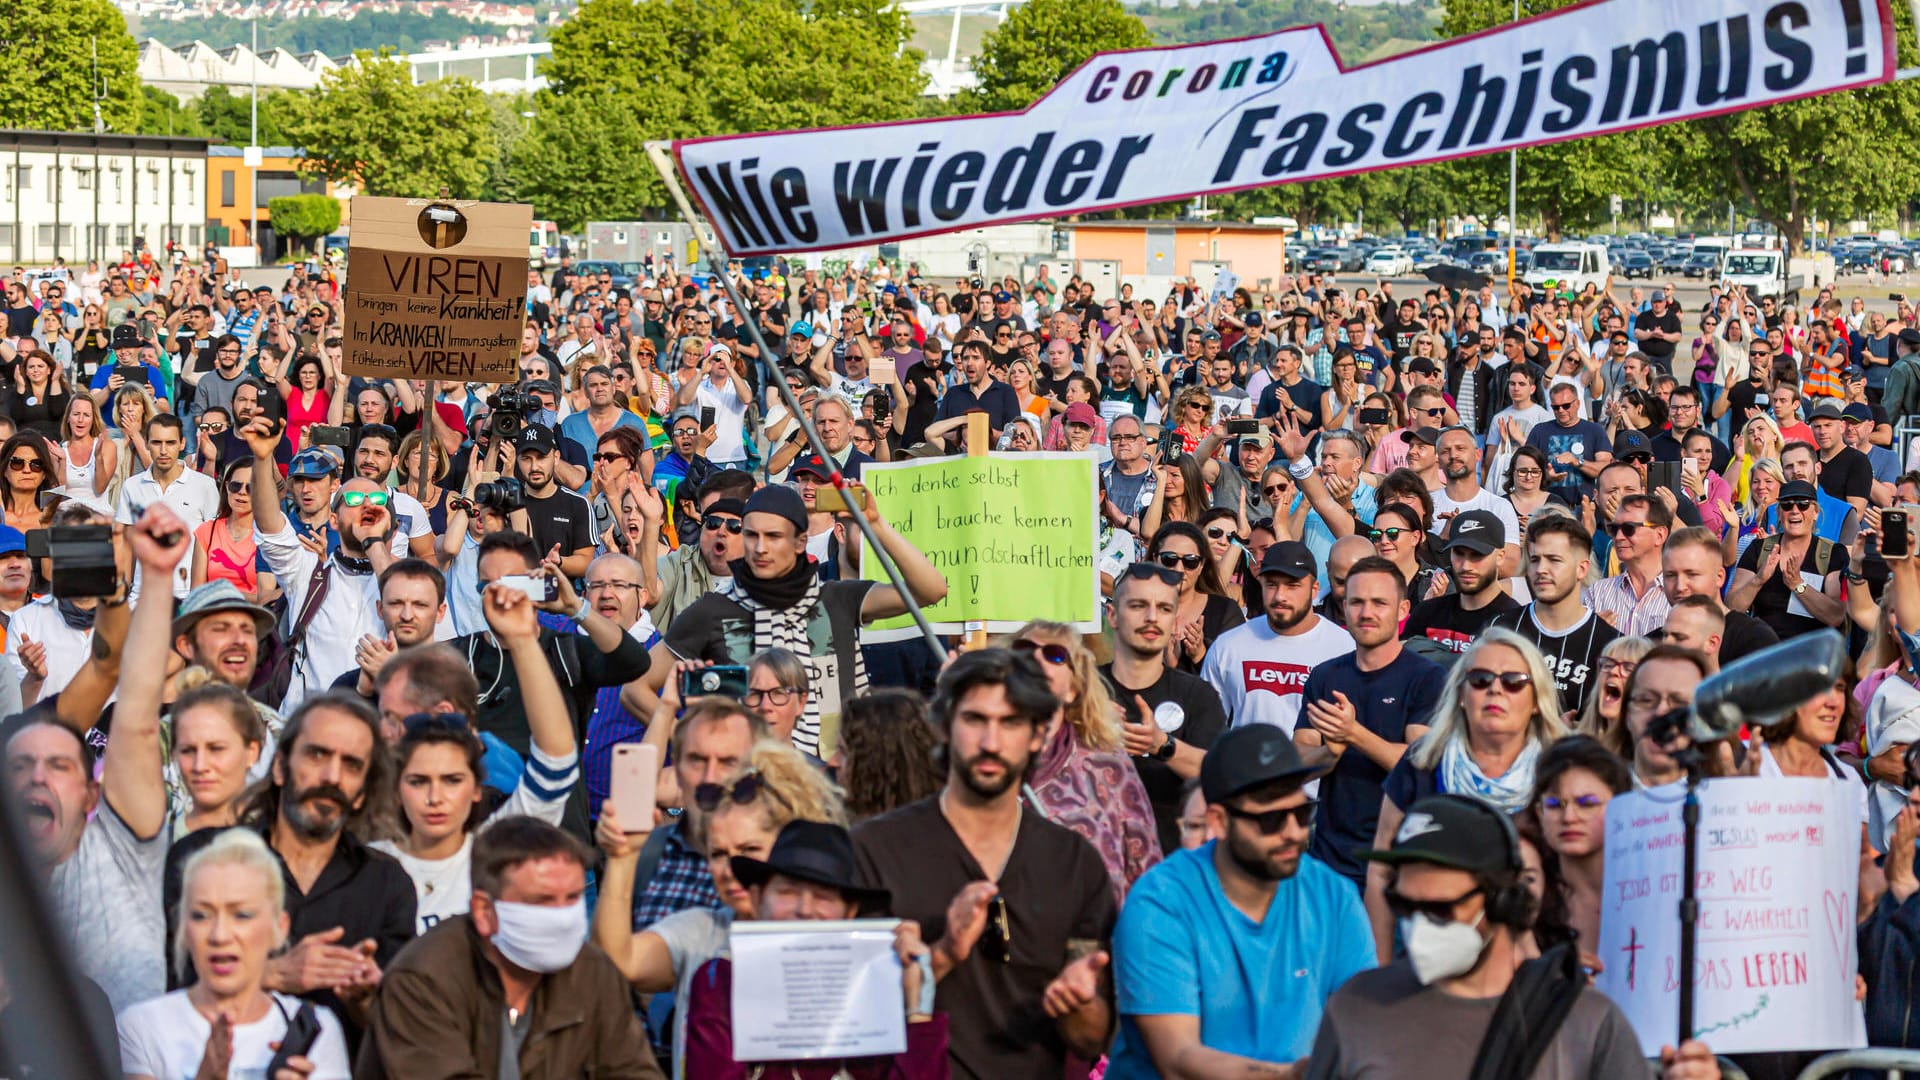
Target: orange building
x,y
233,200
1172,248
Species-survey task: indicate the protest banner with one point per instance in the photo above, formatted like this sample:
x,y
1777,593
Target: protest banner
x,y
1166,124
1776,880
436,289
805,991
1015,534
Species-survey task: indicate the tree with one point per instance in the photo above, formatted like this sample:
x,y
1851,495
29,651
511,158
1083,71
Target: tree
x,y
367,123
1041,42
47,66
664,69
162,114
227,116
602,175
304,217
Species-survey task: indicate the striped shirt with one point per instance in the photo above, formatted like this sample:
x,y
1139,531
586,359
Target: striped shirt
x,y
1633,616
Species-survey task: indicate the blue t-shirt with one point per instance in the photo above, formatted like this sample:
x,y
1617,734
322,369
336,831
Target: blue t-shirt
x,y
1319,539
1182,948
1385,702
1584,440
578,430
156,381
1832,519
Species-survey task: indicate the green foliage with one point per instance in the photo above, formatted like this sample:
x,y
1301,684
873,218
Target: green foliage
x,y
623,72
1040,43
368,123
225,116
1356,31
304,217
162,114
405,31
46,64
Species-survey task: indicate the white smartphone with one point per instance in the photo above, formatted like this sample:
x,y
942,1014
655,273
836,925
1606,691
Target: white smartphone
x,y
635,771
537,589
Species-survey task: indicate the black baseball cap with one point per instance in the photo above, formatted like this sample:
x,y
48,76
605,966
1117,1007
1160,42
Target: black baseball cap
x,y
536,437
1857,412
1420,365
1477,530
1631,443
1452,831
1251,756
1799,489
1290,558
1428,435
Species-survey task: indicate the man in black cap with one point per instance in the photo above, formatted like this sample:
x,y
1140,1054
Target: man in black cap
x,y
1475,540
1459,457
128,348
1845,473
809,875
1657,329
1423,453
1465,913
1207,983
1260,667
1862,421
775,598
560,519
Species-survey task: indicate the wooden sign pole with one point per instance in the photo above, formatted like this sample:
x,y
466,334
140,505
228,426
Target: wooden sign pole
x,y
979,442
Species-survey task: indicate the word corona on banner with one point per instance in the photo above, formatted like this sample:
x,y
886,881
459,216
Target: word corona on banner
x,y
1155,125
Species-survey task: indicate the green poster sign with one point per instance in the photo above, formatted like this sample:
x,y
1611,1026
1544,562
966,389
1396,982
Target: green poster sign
x,y
1015,534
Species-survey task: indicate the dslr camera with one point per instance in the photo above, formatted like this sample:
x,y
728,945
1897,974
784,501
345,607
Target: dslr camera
x,y
504,496
83,562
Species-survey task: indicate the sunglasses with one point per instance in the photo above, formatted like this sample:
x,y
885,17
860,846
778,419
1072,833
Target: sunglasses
x,y
21,464
212,429
1511,681
1274,489
1800,505
1436,413
1170,560
1141,571
238,487
1270,822
1440,911
1215,532
355,499
603,458
743,791
1057,655
715,524
1627,529
1390,533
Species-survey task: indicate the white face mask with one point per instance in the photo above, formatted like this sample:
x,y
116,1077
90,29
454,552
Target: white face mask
x,y
1440,950
539,937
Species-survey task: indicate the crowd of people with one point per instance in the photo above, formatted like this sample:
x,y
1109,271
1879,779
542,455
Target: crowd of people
x,y
1395,583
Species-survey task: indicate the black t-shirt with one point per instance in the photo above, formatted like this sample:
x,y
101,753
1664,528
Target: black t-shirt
x,y
1050,387
1399,337
1385,702
1771,604
926,386
1217,617
1574,656
561,518
1205,720
1848,475
1745,400
1445,621
1056,891
1656,348
1744,636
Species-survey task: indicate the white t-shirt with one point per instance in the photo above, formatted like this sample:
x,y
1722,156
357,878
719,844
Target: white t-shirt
x,y
349,611
192,495
443,888
1499,507
165,1038
67,648
1259,674
729,420
410,521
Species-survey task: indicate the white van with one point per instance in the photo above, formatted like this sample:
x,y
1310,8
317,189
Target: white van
x,y
1571,266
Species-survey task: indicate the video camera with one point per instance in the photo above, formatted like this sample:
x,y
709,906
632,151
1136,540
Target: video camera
x,y
509,407
83,562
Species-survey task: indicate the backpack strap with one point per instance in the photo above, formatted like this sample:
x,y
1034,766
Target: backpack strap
x,y
317,587
650,855
1529,1015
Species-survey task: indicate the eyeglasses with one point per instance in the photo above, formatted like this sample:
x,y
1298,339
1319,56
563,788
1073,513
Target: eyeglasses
x,y
742,792
26,464
611,586
998,935
1584,802
604,458
1057,655
1440,911
1170,559
778,695
714,523
1511,681
1274,489
355,499
238,487
1622,668
1270,822
1649,701
1526,472
1141,571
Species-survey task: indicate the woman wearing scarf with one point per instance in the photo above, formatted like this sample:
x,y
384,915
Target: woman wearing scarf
x,y
775,599
1499,709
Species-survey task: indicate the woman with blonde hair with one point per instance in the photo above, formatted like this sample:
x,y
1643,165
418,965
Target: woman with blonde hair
x,y
232,918
1764,481
1020,376
133,406
1759,440
1606,706
1498,710
92,458
218,739
1191,416
774,785
1082,778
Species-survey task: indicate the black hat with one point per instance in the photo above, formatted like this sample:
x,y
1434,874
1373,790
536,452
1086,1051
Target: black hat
x,y
1799,489
1827,409
1299,311
1477,530
813,465
1250,756
811,851
536,437
1630,443
780,500
1911,336
1452,831
126,336
1428,435
1420,365
1857,412
1290,558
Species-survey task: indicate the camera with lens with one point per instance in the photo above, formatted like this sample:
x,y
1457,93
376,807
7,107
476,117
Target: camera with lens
x,y
82,555
510,406
502,496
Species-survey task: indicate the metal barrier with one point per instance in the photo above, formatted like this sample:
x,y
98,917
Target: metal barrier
x,y
1895,1063
1905,430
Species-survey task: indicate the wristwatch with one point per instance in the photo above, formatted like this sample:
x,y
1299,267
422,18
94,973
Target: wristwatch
x,y
1165,751
1799,587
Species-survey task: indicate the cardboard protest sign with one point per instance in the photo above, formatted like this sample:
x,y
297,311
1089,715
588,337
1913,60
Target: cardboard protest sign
x,y
1776,881
1161,125
1015,534
436,289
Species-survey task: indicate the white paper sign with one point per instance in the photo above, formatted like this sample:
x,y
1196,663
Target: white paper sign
x,y
805,991
1223,285
1164,124
1779,864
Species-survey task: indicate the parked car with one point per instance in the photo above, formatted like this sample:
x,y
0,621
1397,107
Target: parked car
x,y
1635,262
592,268
1389,261
1702,264
1325,260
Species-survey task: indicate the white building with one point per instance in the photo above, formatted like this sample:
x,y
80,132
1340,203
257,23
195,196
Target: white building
x,y
81,196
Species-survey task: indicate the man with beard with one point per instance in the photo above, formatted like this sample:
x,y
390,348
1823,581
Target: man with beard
x,y
1558,622
1260,667
559,517
100,843
352,908
373,459
413,605
332,602
1228,952
1474,546
1170,717
1460,464
1004,895
1362,711
775,599
711,742
689,571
